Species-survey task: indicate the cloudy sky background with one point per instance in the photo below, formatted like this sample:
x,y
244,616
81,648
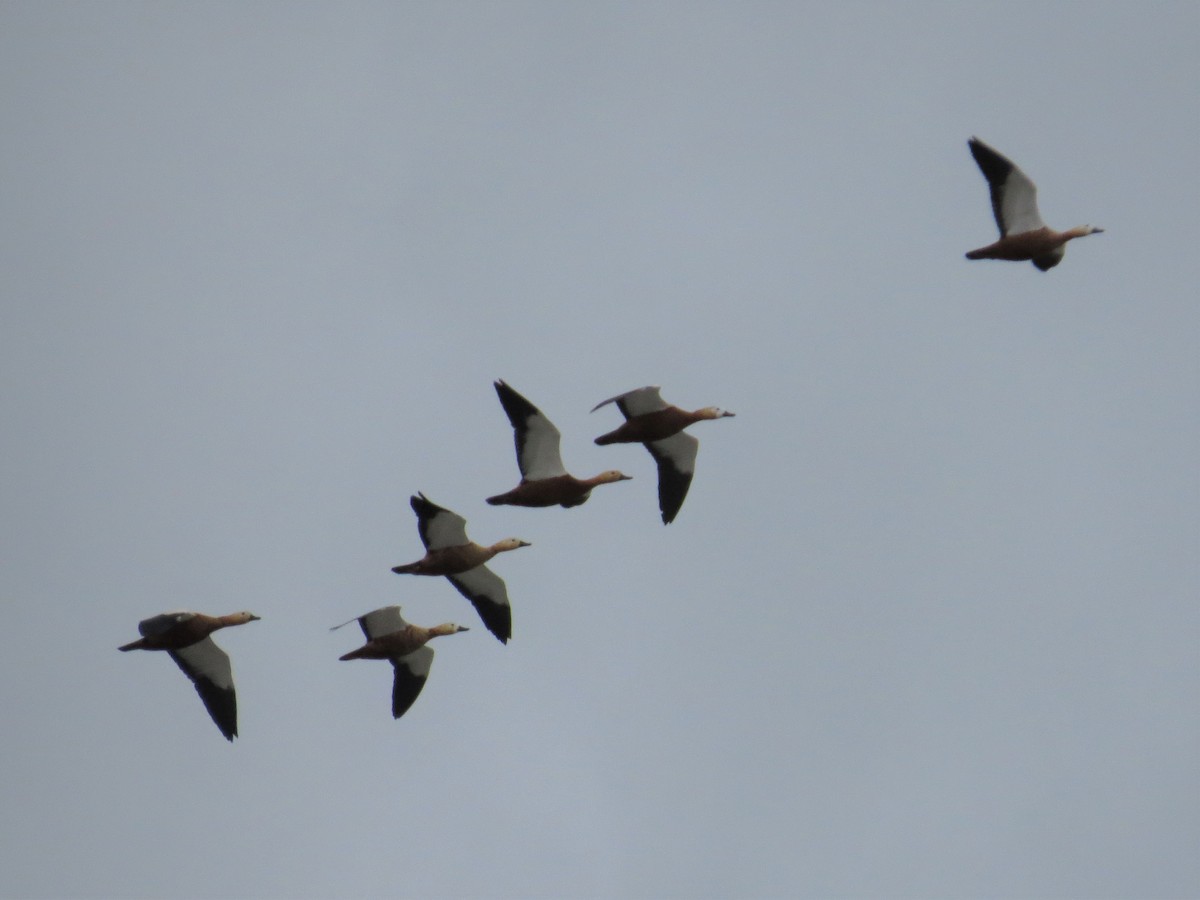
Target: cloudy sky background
x,y
927,624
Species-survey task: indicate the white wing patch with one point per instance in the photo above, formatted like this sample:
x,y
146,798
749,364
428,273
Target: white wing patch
x,y
637,402
205,661
538,448
537,440
1018,205
487,593
418,662
676,458
444,529
410,674
678,451
481,583
379,622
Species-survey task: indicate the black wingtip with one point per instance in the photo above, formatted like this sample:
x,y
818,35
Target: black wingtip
x,y
498,621
516,407
221,704
422,505
670,501
995,167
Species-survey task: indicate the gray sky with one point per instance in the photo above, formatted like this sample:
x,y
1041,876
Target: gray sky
x,y
927,624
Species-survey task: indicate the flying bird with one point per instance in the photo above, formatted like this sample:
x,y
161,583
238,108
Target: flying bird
x,y
651,421
1023,234
186,637
450,553
544,480
404,646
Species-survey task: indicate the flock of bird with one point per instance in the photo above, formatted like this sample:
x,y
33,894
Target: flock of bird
x,y
649,420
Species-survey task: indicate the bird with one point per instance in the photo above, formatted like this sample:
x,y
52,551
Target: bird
x,y
404,646
186,636
651,421
544,480
1023,234
450,553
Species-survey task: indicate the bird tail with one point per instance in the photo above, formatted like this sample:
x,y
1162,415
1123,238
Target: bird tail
x,y
135,645
353,654
606,439
410,569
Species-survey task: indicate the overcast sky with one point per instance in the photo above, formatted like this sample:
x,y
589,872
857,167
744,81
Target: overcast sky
x,y
927,624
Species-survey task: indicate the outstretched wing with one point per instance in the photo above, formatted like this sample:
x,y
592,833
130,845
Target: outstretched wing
x,y
487,593
537,440
1014,196
207,665
411,671
156,625
379,622
438,526
676,458
637,402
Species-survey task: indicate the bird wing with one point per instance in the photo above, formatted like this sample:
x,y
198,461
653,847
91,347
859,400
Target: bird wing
x,y
410,674
438,526
487,593
1014,196
637,402
156,625
676,458
207,665
378,622
537,440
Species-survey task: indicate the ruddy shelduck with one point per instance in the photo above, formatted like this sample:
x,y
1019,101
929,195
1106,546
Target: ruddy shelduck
x,y
651,421
1023,234
186,637
544,479
450,553
404,646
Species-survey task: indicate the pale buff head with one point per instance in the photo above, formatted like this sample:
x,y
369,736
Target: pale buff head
x,y
1083,231
445,629
610,476
713,412
509,544
239,618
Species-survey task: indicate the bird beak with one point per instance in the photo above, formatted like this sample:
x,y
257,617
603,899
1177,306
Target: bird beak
x,y
525,543
728,413
463,628
254,618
